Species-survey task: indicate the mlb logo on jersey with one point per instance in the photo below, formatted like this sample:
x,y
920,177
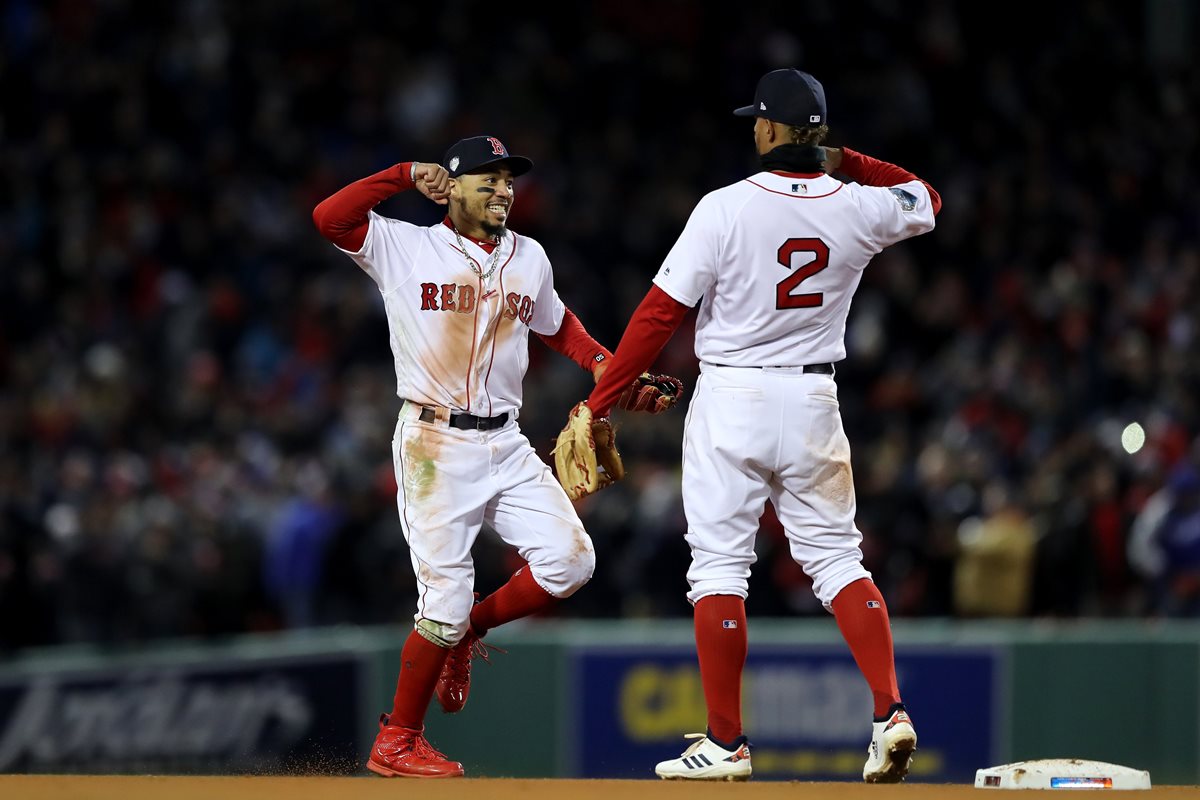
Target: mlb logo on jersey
x,y
729,623
872,604
799,188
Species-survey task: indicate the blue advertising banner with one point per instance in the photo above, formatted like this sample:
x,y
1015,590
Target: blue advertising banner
x,y
293,715
806,709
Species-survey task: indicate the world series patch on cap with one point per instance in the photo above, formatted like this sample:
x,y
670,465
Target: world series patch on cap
x,y
477,152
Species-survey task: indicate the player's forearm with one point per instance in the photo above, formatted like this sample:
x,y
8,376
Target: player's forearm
x,y
873,172
574,342
647,333
342,217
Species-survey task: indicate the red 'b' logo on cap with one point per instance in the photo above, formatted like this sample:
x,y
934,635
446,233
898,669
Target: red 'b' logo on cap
x,y
497,145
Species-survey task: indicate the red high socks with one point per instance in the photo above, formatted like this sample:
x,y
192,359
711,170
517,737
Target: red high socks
x,y
720,621
420,664
520,597
862,618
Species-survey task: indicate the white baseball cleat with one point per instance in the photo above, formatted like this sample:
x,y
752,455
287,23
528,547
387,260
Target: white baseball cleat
x,y
892,744
705,760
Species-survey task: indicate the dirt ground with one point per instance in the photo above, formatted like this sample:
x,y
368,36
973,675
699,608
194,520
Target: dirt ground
x,y
88,787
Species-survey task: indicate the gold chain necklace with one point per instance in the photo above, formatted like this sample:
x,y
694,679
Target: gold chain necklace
x,y
483,276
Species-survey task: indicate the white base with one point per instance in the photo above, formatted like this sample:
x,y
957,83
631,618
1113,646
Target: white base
x,y
1061,773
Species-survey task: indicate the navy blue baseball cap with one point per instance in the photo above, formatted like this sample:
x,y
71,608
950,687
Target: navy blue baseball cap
x,y
788,96
471,154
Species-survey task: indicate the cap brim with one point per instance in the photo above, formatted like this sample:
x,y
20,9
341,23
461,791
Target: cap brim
x,y
746,111
517,165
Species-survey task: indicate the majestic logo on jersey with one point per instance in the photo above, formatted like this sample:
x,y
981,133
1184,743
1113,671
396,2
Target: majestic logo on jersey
x,y
907,200
497,146
454,163
461,298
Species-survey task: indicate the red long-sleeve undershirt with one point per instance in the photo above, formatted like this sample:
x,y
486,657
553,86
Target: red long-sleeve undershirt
x,y
574,342
873,172
651,327
343,219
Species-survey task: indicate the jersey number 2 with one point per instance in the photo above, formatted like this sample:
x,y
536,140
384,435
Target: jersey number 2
x,y
783,290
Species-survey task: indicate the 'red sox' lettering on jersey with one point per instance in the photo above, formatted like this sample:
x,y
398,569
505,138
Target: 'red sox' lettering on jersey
x,y
461,298
471,354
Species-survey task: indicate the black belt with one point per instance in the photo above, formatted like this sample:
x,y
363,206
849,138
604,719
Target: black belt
x,y
467,422
820,369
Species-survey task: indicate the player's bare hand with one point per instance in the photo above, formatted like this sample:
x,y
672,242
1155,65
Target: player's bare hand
x,y
433,181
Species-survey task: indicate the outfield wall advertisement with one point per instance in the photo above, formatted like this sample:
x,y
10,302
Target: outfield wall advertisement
x,y
806,709
261,715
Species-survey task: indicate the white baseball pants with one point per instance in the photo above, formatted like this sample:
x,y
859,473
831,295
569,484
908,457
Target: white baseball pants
x,y
453,481
758,433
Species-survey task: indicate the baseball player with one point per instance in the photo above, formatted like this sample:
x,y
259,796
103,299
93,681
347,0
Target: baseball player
x,y
461,297
773,261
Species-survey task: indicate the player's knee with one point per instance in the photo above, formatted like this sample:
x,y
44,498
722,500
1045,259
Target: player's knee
x,y
562,570
445,621
737,587
441,633
829,579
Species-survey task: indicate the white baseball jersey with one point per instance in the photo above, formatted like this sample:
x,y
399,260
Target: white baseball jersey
x,y
459,341
462,343
776,260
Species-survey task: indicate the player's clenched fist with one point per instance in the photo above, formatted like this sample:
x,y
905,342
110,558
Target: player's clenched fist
x,y
433,181
651,393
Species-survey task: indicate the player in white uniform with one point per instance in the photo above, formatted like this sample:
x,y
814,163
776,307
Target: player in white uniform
x,y
774,261
461,298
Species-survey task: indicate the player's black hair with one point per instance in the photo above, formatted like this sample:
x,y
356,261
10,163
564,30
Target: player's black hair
x,y
807,134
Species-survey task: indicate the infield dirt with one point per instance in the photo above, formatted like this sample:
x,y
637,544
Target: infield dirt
x,y
108,787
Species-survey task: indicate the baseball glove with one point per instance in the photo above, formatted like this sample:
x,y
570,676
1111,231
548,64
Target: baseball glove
x,y
653,394
585,454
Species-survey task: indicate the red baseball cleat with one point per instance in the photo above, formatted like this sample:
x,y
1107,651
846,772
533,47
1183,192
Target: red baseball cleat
x,y
405,753
454,684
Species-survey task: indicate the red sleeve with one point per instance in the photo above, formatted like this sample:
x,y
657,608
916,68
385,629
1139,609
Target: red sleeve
x,y
647,333
873,172
574,342
342,217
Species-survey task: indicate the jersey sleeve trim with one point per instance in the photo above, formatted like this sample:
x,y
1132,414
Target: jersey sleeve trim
x,y
674,294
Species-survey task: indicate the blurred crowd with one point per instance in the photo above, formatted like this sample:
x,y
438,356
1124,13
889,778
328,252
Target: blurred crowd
x,y
196,391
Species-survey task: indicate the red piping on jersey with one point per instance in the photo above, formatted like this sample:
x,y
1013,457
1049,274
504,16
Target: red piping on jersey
x,y
471,358
496,333
796,196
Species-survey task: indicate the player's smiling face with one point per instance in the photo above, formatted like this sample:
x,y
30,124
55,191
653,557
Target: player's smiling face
x,y
481,201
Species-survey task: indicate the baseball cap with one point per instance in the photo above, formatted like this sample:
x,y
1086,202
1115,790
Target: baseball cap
x,y
788,96
470,154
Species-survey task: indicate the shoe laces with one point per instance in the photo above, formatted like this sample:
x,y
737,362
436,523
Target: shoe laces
x,y
423,749
700,738
409,741
459,659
